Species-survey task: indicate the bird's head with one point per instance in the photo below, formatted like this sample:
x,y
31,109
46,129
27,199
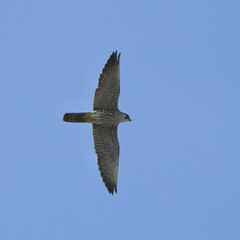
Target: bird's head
x,y
126,117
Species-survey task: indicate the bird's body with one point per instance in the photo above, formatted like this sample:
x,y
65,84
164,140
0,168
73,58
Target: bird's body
x,y
105,118
96,117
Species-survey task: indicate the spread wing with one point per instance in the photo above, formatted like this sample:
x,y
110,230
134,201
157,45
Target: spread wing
x,y
108,90
107,149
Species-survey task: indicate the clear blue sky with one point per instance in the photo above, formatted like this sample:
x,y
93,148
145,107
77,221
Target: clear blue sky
x,y
179,175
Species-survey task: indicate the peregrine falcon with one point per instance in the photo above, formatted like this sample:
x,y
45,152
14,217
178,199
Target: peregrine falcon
x,y
105,118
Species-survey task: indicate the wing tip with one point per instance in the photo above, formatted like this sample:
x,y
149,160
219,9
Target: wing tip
x,y
118,60
110,185
114,58
111,188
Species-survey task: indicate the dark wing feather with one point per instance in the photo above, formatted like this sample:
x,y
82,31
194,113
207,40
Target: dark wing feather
x,y
108,90
107,149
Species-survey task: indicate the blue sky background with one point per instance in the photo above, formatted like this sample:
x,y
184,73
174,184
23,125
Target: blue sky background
x,y
179,175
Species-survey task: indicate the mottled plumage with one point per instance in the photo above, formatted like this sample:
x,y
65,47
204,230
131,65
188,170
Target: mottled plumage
x,y
108,90
107,149
105,118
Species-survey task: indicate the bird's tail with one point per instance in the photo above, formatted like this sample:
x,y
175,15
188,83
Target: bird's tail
x,y
76,117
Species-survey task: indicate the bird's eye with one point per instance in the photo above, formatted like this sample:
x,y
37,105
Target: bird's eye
x,y
126,117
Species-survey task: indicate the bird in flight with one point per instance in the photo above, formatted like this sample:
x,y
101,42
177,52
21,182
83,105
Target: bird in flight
x,y
105,118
